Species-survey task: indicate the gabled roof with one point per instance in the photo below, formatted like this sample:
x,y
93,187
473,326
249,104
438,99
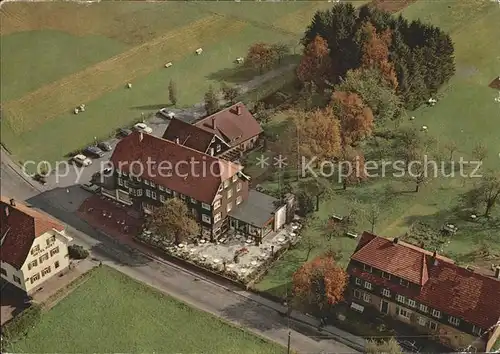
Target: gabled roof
x,y
179,168
446,287
20,225
188,135
231,127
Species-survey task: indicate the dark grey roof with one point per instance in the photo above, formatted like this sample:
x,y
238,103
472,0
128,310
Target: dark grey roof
x,y
256,210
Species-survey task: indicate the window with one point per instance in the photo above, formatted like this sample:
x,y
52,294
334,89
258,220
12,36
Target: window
x,y
367,268
16,279
436,313
44,257
226,183
218,148
404,313
45,271
54,251
148,193
32,264
477,331
51,240
239,200
411,303
4,272
422,321
404,282
120,181
161,188
194,201
35,278
400,298
162,198
205,218
238,187
153,195
386,293
229,193
174,193
217,204
368,285
205,206
357,294
235,177
433,325
423,308
386,275
367,297
125,184
229,207
56,264
168,190
35,250
454,321
146,182
152,184
182,196
358,281
139,192
194,212
217,217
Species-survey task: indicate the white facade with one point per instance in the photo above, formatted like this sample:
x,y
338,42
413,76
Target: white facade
x,y
47,257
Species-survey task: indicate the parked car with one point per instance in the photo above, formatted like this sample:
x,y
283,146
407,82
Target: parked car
x,y
90,187
93,151
82,160
142,127
105,146
166,113
122,132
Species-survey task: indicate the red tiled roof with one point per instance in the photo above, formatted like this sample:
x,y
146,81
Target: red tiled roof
x,y
449,288
188,135
19,226
179,168
231,127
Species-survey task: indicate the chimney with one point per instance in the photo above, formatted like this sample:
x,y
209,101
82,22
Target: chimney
x,y
177,141
214,124
395,241
13,202
141,136
238,110
497,272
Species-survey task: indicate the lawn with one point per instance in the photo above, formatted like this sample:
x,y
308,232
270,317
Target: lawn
x,y
108,45
466,113
113,313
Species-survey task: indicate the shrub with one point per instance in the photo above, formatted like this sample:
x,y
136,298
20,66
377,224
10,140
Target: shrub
x,y
77,252
20,325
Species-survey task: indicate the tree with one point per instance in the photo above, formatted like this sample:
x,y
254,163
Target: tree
x,y
356,119
315,63
387,347
211,101
172,92
487,192
480,151
305,203
352,166
375,53
375,93
372,214
260,56
320,283
316,187
307,240
173,221
230,93
280,50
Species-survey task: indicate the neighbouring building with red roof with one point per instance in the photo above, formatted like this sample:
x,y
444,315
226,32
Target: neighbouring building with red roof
x,y
226,134
458,306
33,246
148,170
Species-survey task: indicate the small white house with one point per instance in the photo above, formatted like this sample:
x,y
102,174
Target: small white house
x,y
199,51
168,65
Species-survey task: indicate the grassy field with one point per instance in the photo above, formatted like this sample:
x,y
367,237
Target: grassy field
x,y
57,56
467,114
113,313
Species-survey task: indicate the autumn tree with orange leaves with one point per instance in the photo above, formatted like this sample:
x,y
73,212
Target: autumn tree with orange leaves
x,y
315,63
375,53
261,56
356,118
320,283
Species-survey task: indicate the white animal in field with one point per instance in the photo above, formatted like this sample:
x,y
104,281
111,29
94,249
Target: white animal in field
x,y
199,51
412,118
76,110
129,85
424,128
168,65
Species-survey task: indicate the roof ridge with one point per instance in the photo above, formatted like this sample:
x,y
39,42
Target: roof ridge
x,y
222,110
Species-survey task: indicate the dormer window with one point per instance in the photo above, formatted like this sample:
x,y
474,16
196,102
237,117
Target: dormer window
x,y
436,313
404,283
386,275
367,268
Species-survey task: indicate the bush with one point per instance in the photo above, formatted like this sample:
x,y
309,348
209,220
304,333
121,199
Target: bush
x,y
20,325
77,252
